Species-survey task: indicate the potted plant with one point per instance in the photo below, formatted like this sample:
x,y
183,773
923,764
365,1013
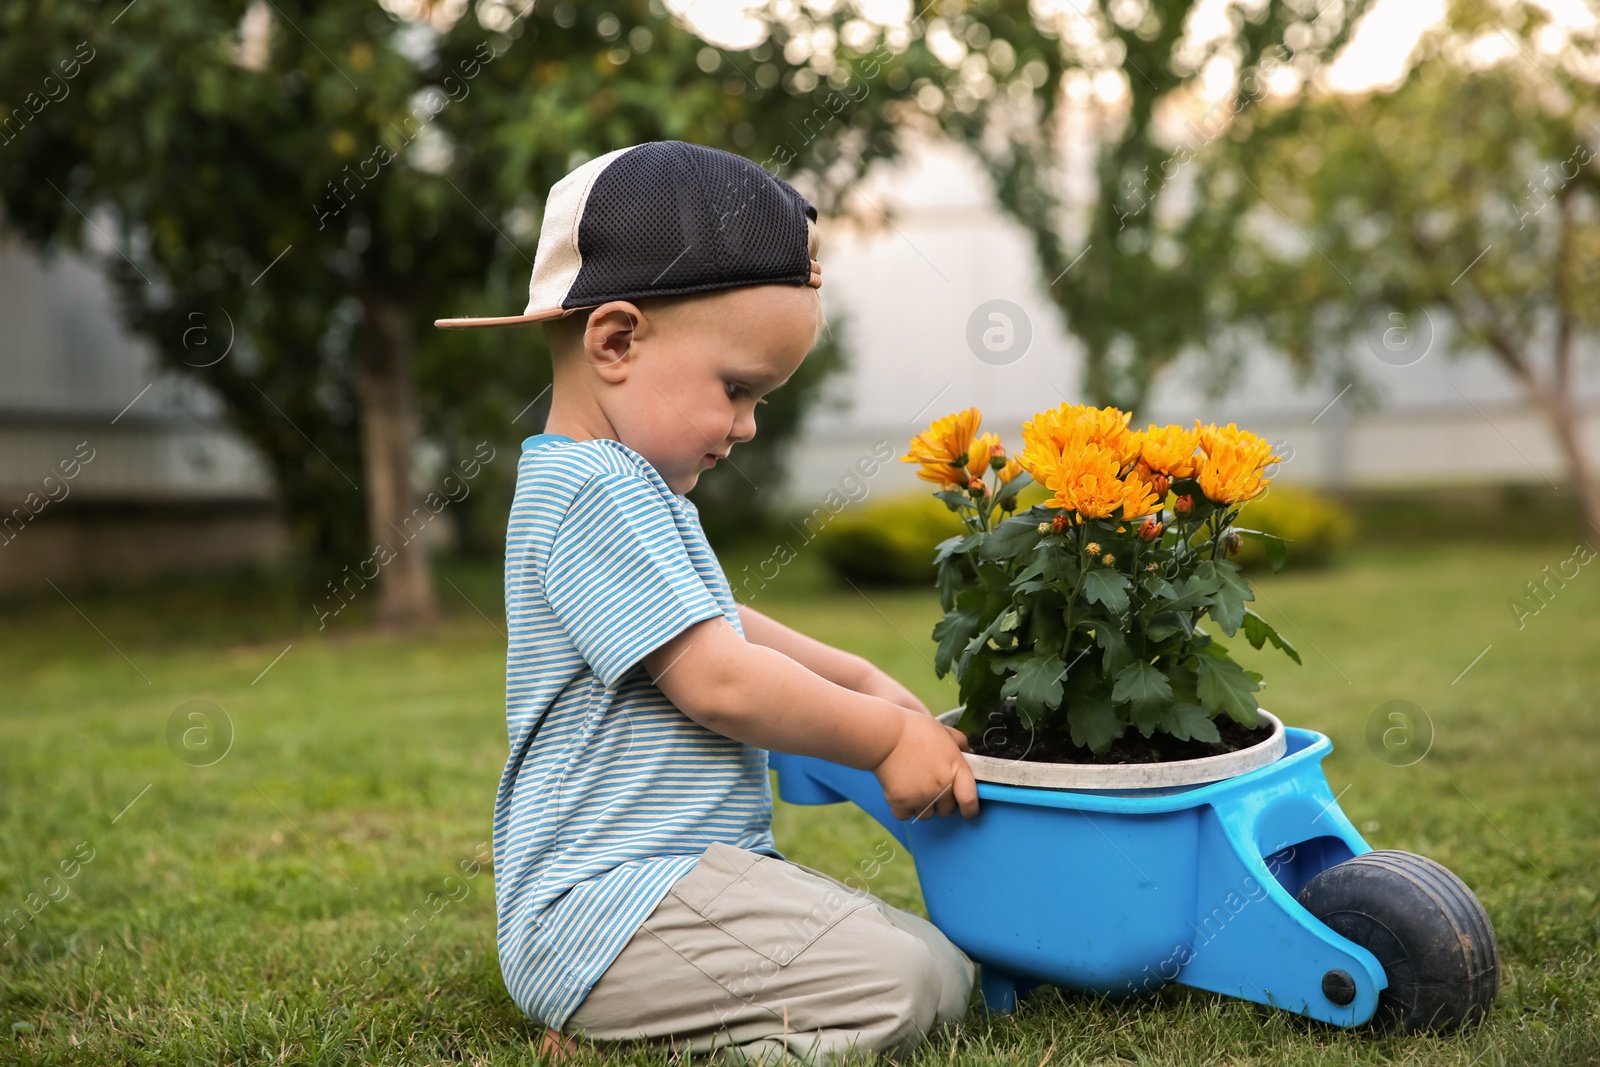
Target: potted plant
x,y
1074,626
1142,819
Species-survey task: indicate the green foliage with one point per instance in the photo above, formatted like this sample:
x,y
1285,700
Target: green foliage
x,y
1143,261
1030,602
1456,213
324,197
1314,526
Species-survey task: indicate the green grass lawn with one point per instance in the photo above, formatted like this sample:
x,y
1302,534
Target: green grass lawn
x,y
302,900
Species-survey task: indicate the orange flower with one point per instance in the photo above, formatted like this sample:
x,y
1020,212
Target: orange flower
x,y
942,449
1089,483
1053,435
1169,450
1230,470
1086,456
978,453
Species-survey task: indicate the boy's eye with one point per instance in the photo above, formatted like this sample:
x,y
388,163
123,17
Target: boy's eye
x,y
735,390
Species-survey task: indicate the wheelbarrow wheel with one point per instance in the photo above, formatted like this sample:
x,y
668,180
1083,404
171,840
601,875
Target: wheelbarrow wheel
x,y
1428,931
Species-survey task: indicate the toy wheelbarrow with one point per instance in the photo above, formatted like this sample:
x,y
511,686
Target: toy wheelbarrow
x,y
1256,886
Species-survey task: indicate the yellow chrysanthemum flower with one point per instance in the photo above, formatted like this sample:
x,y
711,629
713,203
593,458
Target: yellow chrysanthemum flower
x,y
1087,457
1169,450
1090,483
1229,472
984,446
942,448
1066,429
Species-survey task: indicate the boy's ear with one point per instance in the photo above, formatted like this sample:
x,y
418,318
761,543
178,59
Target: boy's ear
x,y
608,337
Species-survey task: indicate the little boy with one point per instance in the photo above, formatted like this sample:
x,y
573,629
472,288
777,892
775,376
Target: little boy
x,y
638,889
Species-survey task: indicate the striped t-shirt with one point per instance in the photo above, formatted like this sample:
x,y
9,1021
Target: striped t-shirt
x,y
619,792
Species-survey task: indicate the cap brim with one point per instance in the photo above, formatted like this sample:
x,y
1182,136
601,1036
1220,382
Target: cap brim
x,y
504,320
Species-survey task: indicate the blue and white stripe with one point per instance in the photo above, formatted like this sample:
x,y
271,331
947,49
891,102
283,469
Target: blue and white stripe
x,y
619,793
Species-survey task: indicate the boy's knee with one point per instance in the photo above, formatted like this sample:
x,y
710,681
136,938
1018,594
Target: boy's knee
x,y
910,994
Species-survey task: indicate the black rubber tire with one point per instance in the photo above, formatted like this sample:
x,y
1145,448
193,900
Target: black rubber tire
x,y
1428,931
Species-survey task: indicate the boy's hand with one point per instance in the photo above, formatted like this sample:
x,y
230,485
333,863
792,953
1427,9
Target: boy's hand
x,y
879,684
925,773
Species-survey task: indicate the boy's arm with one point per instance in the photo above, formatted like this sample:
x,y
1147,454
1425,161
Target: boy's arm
x,y
836,665
759,695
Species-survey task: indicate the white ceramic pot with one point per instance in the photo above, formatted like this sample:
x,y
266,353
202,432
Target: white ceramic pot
x,y
1119,777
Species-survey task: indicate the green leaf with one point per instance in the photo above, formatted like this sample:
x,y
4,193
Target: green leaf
x,y
1038,567
1190,722
1141,681
952,632
1036,685
1167,623
1193,592
1224,686
1108,587
1092,721
1259,631
1118,654
1277,548
1147,715
982,640
1157,586
1227,603
1012,537
1012,488
954,499
949,580
959,543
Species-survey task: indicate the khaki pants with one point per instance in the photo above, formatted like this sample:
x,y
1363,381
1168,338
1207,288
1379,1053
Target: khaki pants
x,y
772,961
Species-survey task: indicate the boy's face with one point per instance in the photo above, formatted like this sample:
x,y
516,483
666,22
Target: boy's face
x,y
699,368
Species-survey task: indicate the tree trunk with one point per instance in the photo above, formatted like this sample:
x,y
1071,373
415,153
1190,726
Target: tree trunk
x,y
1569,429
395,517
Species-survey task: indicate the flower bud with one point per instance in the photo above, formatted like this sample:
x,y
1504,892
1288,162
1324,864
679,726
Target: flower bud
x,y
1108,559
1059,523
1093,548
1150,530
1234,542
1044,527
997,459
1152,567
1160,484
1184,504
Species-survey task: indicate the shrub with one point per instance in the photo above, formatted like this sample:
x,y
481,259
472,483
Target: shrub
x,y
1315,526
891,540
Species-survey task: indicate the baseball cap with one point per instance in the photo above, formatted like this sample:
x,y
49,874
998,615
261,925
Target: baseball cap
x,y
664,218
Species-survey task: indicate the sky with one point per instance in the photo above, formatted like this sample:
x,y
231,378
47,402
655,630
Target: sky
x,y
1375,57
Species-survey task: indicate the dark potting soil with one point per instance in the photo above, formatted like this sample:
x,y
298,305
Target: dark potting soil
x,y
1010,739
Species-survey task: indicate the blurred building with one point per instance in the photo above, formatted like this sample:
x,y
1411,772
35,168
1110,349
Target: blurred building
x,y
904,292
109,468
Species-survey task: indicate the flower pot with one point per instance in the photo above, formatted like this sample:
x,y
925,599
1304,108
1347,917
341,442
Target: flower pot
x,y
1126,778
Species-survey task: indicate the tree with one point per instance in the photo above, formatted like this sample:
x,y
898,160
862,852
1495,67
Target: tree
x,y
325,179
1130,262
1469,195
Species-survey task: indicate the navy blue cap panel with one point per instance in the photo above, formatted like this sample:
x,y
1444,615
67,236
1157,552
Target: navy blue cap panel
x,y
668,219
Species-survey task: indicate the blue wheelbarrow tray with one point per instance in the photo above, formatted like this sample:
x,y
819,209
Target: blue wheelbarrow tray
x,y
1120,895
